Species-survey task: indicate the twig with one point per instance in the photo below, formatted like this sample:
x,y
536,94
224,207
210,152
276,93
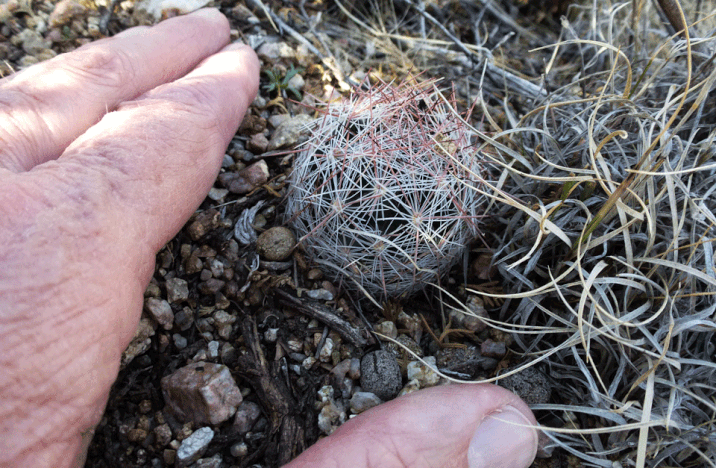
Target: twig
x,y
324,314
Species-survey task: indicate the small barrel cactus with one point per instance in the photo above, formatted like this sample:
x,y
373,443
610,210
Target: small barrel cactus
x,y
383,194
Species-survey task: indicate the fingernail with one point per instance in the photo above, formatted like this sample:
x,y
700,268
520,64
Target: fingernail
x,y
504,439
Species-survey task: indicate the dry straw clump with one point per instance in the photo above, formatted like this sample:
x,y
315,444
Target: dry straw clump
x,y
383,193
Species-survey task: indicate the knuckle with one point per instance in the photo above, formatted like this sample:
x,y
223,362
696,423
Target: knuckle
x,y
105,66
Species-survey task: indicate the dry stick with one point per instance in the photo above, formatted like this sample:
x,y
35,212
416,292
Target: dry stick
x,y
673,12
326,315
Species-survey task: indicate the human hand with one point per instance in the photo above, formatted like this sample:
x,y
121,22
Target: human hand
x,y
87,198
450,426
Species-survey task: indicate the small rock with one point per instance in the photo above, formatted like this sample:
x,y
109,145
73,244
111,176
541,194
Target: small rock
x,y
411,387
276,244
203,223
213,462
239,450
529,384
217,194
400,351
276,50
411,323
493,349
424,374
330,418
193,447
136,435
65,11
326,351
163,435
202,392
213,349
161,311
141,341
247,414
387,328
354,369
168,8
319,294
252,124
314,274
464,360
277,119
184,319
297,82
362,401
179,341
177,290
470,321
246,179
380,374
211,286
290,133
258,143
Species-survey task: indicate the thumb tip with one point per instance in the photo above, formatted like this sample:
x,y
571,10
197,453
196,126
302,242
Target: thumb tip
x,y
505,438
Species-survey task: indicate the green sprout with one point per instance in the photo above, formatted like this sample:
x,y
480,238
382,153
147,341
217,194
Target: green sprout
x,y
280,85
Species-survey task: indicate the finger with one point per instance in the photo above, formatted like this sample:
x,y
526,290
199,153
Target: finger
x,y
139,173
475,426
47,106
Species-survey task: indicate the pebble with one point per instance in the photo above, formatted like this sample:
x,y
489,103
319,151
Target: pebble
x,y
423,373
277,119
276,50
193,447
203,223
161,311
319,294
177,290
400,352
246,416
380,374
162,435
247,179
529,384
179,341
410,323
290,132
65,11
276,244
217,194
464,360
202,392
252,124
258,143
239,450
363,401
297,82
470,321
494,349
387,328
326,351
330,418
213,462
213,349
411,387
140,343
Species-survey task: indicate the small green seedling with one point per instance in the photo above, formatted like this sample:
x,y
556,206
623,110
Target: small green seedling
x,y
281,86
